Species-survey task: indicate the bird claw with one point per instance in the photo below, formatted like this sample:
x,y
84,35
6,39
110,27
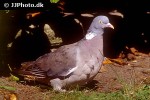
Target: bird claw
x,y
59,90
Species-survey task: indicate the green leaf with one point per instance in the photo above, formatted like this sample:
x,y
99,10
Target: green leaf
x,y
8,88
54,1
13,78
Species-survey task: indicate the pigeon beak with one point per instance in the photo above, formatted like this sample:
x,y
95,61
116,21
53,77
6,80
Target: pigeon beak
x,y
110,25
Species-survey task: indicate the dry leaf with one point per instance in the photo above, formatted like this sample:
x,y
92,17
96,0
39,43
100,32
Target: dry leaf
x,y
32,14
133,50
103,69
13,97
107,61
118,61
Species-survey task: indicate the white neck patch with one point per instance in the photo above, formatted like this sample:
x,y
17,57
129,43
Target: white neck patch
x,y
90,35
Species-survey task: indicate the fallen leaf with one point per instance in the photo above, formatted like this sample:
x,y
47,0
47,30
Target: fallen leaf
x,y
116,13
133,50
18,34
107,61
118,61
8,88
13,97
134,61
32,14
13,78
103,69
87,15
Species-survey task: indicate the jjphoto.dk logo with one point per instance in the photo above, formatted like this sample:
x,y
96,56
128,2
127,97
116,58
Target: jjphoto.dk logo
x,y
22,5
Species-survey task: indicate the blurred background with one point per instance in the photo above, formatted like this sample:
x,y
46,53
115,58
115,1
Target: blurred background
x,y
27,34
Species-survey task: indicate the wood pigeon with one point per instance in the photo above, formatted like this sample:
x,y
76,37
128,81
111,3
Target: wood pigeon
x,y
73,64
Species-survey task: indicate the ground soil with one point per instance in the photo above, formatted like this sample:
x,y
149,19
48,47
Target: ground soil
x,y
112,77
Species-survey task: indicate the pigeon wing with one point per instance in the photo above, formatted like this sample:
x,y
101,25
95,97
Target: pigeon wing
x,y
61,62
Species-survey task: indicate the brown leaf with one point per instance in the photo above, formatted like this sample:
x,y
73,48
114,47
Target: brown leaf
x,y
118,61
31,15
107,61
103,69
134,51
13,97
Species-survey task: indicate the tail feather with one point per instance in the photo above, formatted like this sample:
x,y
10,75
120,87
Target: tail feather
x,y
34,73
29,69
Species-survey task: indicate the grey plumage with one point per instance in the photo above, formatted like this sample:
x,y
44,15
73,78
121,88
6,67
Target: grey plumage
x,y
72,64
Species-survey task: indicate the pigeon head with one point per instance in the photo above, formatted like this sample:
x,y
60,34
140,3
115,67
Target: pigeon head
x,y
97,26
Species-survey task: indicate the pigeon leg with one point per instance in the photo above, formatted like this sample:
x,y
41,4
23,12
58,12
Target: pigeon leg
x,y
57,85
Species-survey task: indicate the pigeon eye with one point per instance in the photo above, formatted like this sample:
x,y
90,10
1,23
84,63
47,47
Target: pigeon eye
x,y
100,22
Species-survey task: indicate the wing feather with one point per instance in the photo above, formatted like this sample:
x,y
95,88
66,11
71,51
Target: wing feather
x,y
58,63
